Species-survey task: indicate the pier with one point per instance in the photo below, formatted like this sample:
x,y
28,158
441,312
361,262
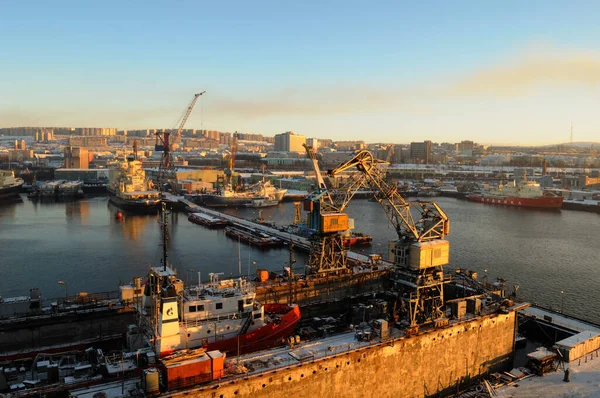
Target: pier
x,y
297,241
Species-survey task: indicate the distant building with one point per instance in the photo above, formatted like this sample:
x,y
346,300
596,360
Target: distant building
x,y
289,142
349,145
76,158
420,152
87,141
19,155
313,143
466,146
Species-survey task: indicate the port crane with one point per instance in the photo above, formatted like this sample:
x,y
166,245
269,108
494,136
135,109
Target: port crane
x,y
326,219
420,252
231,163
165,144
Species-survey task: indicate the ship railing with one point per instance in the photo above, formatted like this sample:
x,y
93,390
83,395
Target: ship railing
x,y
230,316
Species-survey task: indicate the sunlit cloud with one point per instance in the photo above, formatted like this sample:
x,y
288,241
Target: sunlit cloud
x,y
333,100
537,69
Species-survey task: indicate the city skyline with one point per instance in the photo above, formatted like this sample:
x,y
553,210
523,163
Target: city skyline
x,y
496,74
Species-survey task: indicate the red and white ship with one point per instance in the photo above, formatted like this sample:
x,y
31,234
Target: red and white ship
x,y
524,193
219,315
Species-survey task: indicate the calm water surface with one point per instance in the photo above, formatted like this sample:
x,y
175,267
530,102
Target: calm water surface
x,y
83,244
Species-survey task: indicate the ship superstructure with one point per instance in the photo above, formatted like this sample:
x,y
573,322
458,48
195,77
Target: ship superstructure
x,y
219,315
130,189
9,185
261,194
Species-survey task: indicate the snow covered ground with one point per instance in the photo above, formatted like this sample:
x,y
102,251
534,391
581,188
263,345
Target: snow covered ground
x,y
585,382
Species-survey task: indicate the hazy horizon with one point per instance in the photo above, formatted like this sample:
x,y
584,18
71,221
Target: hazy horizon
x,y
510,73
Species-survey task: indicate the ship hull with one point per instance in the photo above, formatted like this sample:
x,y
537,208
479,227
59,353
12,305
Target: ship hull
x,y
135,206
541,202
240,200
268,336
221,201
10,192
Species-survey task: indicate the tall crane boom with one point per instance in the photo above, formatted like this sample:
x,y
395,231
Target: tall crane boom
x,y
433,222
165,144
186,116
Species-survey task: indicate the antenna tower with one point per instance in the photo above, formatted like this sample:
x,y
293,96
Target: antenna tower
x,y
571,133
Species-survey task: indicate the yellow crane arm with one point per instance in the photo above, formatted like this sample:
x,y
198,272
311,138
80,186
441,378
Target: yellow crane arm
x,y
433,223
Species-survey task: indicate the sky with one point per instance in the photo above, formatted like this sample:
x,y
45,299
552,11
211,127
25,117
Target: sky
x,y
510,72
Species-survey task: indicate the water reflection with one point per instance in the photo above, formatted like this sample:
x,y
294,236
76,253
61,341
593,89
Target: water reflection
x,y
8,207
78,212
131,226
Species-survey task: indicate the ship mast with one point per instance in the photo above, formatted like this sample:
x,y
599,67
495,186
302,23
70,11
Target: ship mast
x,y
165,234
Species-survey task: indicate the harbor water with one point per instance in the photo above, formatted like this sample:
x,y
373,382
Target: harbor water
x,y
550,255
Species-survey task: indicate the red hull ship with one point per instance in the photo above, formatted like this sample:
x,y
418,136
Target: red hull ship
x,y
546,202
525,193
268,336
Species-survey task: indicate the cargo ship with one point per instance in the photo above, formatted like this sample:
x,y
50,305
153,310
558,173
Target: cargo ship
x,y
9,185
262,194
130,190
525,193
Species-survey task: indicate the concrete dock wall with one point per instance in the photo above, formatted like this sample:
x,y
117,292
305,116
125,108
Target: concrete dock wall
x,y
432,362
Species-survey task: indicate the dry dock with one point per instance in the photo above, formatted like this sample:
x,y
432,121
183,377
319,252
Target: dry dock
x,y
431,362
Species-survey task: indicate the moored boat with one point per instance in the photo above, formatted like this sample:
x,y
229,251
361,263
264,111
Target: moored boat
x,y
253,236
261,194
219,315
525,193
208,220
130,190
9,185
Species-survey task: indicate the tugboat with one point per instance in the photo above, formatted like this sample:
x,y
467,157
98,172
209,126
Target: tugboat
x,y
219,315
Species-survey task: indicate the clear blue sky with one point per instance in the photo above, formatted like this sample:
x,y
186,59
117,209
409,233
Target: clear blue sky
x,y
494,72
